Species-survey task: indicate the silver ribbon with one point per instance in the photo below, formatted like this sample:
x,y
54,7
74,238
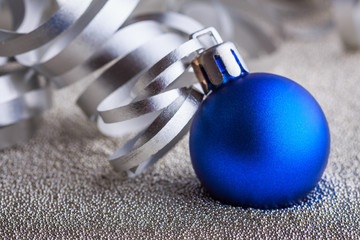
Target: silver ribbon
x,y
138,68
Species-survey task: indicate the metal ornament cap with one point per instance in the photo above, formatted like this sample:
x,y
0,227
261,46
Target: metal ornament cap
x,y
211,65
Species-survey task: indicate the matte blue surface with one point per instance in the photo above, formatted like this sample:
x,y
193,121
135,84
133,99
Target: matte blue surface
x,y
259,141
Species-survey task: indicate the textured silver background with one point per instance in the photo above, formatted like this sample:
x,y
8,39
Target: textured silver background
x,y
60,185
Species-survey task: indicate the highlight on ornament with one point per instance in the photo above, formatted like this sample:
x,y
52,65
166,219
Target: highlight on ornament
x,y
256,140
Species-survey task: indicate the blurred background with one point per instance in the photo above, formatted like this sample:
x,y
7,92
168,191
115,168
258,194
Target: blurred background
x,y
259,27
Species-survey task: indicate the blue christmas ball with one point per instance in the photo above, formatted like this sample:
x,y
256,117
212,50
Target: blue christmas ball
x,y
260,141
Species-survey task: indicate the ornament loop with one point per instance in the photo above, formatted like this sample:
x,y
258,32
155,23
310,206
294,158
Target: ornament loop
x,y
215,36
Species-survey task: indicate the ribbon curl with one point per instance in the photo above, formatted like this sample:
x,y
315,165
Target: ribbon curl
x,y
139,66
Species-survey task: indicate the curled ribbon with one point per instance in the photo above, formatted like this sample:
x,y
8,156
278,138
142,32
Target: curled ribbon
x,y
139,67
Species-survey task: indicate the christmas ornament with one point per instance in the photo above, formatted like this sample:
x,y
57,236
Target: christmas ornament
x,y
258,140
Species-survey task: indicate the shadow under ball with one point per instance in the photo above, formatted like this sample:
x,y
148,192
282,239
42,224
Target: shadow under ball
x,y
260,140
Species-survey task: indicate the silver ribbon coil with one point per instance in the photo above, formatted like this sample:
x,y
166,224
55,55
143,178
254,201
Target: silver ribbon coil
x,y
347,19
139,68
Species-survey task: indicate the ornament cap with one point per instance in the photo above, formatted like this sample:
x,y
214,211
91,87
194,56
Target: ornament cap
x,y
217,64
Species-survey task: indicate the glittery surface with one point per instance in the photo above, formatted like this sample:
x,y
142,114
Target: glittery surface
x,y
59,185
